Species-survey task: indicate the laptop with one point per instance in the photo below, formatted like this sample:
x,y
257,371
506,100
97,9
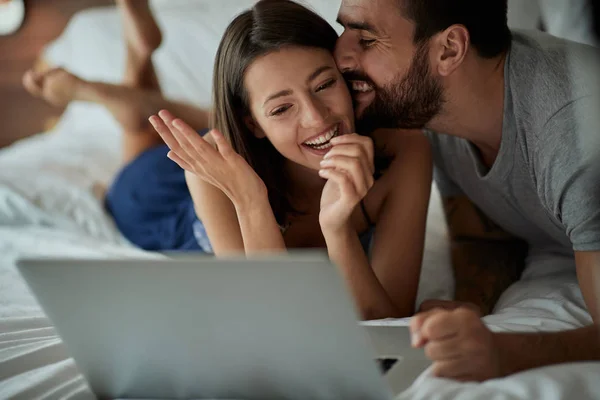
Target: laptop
x,y
279,327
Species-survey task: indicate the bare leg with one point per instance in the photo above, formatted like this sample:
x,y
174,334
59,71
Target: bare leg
x,y
131,103
142,38
131,107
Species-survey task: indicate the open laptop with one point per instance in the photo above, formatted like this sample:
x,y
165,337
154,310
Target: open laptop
x,y
189,327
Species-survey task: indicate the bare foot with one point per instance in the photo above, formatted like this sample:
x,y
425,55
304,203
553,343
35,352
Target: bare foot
x,y
142,33
57,86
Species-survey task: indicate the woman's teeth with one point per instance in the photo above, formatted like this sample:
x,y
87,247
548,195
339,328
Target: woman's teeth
x,y
322,142
323,147
361,86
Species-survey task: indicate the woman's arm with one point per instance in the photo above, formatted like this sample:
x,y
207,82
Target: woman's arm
x,y
248,229
218,216
259,227
229,198
370,296
387,287
397,252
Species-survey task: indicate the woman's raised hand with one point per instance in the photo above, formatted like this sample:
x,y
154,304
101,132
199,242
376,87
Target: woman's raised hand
x,y
216,163
348,168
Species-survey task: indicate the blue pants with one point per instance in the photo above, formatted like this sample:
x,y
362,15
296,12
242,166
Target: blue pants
x,y
151,204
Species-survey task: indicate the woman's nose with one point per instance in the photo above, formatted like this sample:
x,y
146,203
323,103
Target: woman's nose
x,y
316,113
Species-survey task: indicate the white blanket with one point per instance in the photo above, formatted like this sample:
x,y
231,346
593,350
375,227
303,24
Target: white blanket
x,y
50,204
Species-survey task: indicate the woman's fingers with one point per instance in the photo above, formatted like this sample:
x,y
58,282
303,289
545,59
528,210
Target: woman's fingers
x,y
365,142
184,140
164,132
166,116
180,161
344,182
354,168
352,150
197,142
197,170
180,131
223,145
167,119
167,136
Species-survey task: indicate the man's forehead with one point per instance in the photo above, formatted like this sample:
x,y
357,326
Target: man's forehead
x,y
370,12
355,9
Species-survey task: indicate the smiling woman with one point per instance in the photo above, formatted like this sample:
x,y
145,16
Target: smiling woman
x,y
302,119
251,101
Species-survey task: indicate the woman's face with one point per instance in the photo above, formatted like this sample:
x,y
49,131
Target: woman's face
x,y
299,101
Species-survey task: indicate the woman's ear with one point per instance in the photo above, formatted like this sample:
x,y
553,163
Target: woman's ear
x,y
254,128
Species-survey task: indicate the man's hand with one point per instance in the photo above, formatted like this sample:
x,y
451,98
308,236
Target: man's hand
x,y
459,344
448,305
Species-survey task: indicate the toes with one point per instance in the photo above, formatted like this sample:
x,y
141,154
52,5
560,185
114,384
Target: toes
x,y
57,86
54,72
32,81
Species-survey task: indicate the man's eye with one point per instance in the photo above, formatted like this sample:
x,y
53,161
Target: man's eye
x,y
280,110
366,42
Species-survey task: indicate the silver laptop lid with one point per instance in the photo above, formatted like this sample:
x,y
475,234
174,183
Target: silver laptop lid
x,y
267,328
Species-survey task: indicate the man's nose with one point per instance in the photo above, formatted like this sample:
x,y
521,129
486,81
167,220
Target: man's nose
x,y
346,54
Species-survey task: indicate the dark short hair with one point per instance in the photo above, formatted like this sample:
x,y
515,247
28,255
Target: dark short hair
x,y
486,21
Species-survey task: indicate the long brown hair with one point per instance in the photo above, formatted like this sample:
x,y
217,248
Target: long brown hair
x,y
267,27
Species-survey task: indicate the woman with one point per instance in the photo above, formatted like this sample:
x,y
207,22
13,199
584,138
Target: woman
x,y
283,169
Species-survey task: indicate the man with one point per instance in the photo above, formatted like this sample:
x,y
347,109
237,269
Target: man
x,y
515,118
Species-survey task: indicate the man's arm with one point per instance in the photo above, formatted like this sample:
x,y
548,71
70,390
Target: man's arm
x,y
588,275
486,260
463,348
570,346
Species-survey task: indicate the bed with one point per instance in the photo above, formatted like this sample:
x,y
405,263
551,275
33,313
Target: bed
x,y
52,184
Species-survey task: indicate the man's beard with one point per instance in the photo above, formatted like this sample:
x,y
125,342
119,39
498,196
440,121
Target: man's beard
x,y
410,103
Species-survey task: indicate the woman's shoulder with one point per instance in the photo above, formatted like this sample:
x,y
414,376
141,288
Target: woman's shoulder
x,y
402,150
394,142
407,155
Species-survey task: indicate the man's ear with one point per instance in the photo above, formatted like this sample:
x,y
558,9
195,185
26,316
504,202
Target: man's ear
x,y
254,128
450,48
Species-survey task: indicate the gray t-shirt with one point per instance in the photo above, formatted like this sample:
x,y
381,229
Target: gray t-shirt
x,y
544,185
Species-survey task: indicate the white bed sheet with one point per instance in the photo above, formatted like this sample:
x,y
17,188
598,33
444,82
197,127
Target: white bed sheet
x,y
51,186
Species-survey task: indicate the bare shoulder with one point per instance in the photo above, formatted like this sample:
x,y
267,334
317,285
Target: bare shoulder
x,y
409,151
411,144
408,177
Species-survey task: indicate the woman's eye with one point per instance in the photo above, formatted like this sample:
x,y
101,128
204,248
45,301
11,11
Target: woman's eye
x,y
326,85
280,110
366,42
